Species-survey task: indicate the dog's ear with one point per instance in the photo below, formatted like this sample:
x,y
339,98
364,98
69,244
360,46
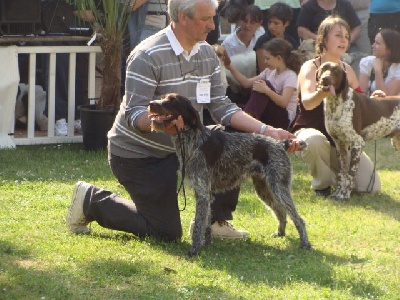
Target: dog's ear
x,y
189,114
344,85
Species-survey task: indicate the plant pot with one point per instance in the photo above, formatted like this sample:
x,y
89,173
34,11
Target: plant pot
x,y
95,126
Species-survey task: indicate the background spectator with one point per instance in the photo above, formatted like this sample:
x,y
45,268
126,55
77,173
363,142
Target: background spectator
x,y
279,17
147,17
383,14
313,12
246,34
273,99
381,71
362,44
239,46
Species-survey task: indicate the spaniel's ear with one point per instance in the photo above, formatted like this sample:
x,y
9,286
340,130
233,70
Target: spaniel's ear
x,y
318,73
344,85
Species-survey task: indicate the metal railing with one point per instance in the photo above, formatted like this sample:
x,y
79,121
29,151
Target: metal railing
x,y
32,137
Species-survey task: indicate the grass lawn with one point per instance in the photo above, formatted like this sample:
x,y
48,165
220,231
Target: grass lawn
x,y
355,255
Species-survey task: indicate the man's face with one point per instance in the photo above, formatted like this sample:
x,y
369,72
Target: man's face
x,y
201,24
277,27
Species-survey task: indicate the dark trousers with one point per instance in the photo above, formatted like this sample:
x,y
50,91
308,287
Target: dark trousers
x,y
153,210
261,107
62,77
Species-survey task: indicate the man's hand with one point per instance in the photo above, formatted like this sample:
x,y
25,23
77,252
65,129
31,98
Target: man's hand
x,y
281,134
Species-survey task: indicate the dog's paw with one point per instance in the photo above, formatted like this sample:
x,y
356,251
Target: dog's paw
x,y
305,245
340,195
193,251
302,145
277,234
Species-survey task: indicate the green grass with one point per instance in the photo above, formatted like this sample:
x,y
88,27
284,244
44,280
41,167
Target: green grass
x,y
356,252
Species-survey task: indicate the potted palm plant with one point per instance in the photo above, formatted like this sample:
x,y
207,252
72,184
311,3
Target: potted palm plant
x,y
110,18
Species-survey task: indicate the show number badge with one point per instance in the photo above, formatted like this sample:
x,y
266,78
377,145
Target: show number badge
x,y
203,89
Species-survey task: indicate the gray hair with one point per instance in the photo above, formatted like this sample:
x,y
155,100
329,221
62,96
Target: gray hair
x,y
187,7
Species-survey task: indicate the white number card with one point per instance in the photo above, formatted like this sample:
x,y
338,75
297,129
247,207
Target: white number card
x,y
203,90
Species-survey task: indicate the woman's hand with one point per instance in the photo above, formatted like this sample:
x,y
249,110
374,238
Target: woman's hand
x,y
378,94
377,64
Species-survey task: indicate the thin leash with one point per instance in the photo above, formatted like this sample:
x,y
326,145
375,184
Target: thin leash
x,y
183,173
372,179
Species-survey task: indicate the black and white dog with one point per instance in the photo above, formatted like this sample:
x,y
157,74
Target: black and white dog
x,y
351,119
216,161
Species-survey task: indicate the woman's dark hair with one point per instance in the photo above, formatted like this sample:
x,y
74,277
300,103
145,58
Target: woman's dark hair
x,y
283,48
256,14
392,41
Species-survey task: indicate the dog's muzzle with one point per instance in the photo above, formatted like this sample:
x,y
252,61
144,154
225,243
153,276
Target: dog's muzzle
x,y
158,116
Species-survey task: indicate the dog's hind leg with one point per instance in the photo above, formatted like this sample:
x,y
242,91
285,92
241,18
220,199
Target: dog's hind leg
x,y
279,212
281,202
284,197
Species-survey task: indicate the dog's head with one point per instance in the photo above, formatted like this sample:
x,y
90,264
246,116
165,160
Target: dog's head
x,y
331,76
306,50
222,55
162,112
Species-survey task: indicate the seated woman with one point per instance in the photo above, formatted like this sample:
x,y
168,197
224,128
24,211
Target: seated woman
x,y
273,99
333,39
244,38
381,71
239,46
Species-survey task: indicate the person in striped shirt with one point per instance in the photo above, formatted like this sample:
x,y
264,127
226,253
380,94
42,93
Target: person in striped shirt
x,y
176,59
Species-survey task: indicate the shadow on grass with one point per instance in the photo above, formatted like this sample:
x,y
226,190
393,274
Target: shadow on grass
x,y
380,202
21,276
253,262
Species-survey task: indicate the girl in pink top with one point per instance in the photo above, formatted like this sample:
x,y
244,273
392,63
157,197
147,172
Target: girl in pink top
x,y
274,91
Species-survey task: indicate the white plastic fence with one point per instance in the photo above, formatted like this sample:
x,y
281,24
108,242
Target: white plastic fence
x,y
31,138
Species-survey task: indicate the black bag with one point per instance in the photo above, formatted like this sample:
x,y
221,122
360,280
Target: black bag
x,y
58,18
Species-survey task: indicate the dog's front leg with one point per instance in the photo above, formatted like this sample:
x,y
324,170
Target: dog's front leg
x,y
201,231
343,184
355,155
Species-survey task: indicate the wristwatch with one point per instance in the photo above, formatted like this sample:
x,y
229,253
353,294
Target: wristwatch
x,y
263,128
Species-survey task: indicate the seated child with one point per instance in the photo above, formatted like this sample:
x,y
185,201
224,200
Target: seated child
x,y
273,99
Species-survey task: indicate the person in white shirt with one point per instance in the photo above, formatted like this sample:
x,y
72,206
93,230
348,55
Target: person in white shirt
x,y
244,38
381,71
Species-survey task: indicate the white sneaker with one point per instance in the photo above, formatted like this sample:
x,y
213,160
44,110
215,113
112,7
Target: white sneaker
x,y
76,220
78,126
223,230
61,128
